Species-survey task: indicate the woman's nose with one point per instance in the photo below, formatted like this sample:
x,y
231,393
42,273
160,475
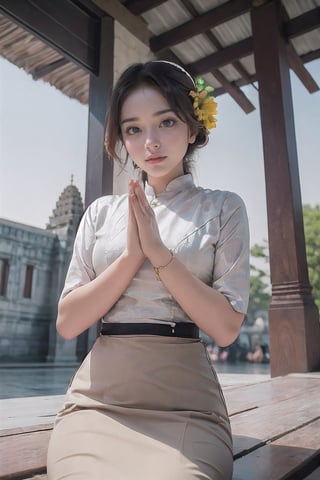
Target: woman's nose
x,y
152,142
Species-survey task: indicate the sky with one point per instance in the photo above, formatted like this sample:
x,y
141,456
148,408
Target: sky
x,y
43,141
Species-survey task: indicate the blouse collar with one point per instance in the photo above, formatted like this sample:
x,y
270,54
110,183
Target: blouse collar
x,y
175,186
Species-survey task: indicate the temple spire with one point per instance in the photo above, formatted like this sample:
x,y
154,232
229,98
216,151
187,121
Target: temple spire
x,y
65,217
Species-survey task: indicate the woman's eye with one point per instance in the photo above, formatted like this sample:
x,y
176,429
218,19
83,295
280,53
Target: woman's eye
x,y
132,130
168,122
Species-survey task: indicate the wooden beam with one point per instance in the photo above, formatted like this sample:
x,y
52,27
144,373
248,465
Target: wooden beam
x,y
300,70
137,7
234,52
44,70
241,82
227,87
310,56
202,22
222,57
234,91
64,26
294,327
303,23
99,175
236,64
243,48
295,62
135,25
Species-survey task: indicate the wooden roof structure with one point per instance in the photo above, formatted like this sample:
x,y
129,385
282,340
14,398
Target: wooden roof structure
x,y
69,43
211,38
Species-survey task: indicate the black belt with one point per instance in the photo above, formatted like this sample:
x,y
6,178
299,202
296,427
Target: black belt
x,y
182,329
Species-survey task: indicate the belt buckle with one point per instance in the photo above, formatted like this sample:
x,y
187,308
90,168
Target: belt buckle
x,y
173,328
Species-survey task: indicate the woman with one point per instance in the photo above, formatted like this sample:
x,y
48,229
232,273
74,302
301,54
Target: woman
x,y
156,265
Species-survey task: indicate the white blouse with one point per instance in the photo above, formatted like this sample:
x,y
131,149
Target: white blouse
x,y
206,230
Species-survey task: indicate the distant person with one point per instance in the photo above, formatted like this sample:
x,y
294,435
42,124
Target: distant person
x,y
156,265
258,351
259,324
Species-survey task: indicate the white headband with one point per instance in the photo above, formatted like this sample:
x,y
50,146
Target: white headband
x,y
177,66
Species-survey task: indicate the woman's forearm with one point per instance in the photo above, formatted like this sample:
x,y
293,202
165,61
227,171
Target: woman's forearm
x,y
207,307
85,305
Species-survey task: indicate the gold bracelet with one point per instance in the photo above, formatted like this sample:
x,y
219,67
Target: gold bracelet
x,y
161,267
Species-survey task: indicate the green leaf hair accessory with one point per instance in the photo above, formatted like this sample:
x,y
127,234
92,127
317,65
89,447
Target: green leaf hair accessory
x,y
204,104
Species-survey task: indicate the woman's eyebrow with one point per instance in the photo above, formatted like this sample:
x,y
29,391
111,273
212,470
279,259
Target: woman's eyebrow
x,y
156,114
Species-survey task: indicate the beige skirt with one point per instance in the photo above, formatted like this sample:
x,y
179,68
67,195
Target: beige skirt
x,y
143,408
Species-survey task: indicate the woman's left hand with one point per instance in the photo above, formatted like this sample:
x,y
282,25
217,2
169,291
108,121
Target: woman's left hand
x,y
150,239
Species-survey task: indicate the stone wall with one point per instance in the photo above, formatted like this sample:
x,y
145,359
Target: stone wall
x,y
128,49
24,322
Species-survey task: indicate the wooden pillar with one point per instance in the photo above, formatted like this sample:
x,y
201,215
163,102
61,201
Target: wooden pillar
x,y
293,316
99,175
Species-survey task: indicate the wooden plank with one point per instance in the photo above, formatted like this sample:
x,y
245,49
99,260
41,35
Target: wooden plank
x,y
269,393
258,426
23,454
18,414
231,380
28,429
285,456
37,477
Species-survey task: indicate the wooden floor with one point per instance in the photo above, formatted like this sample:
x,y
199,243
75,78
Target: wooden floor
x,y
275,425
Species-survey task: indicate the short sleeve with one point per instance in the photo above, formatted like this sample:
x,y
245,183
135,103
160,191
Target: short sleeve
x,y
80,269
231,274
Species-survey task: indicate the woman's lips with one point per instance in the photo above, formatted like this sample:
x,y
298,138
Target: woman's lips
x,y
155,159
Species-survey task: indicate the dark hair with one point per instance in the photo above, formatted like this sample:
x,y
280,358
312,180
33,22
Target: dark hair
x,y
173,83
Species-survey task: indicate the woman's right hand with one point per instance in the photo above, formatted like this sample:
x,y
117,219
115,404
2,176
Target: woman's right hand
x,y
85,305
133,240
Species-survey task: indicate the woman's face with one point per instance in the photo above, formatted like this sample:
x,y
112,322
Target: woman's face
x,y
153,135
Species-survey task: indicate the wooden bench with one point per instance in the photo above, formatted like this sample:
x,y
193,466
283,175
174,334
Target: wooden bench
x,y
276,428
26,425
275,425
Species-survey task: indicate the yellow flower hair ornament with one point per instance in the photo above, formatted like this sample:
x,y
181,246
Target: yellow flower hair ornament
x,y
204,104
